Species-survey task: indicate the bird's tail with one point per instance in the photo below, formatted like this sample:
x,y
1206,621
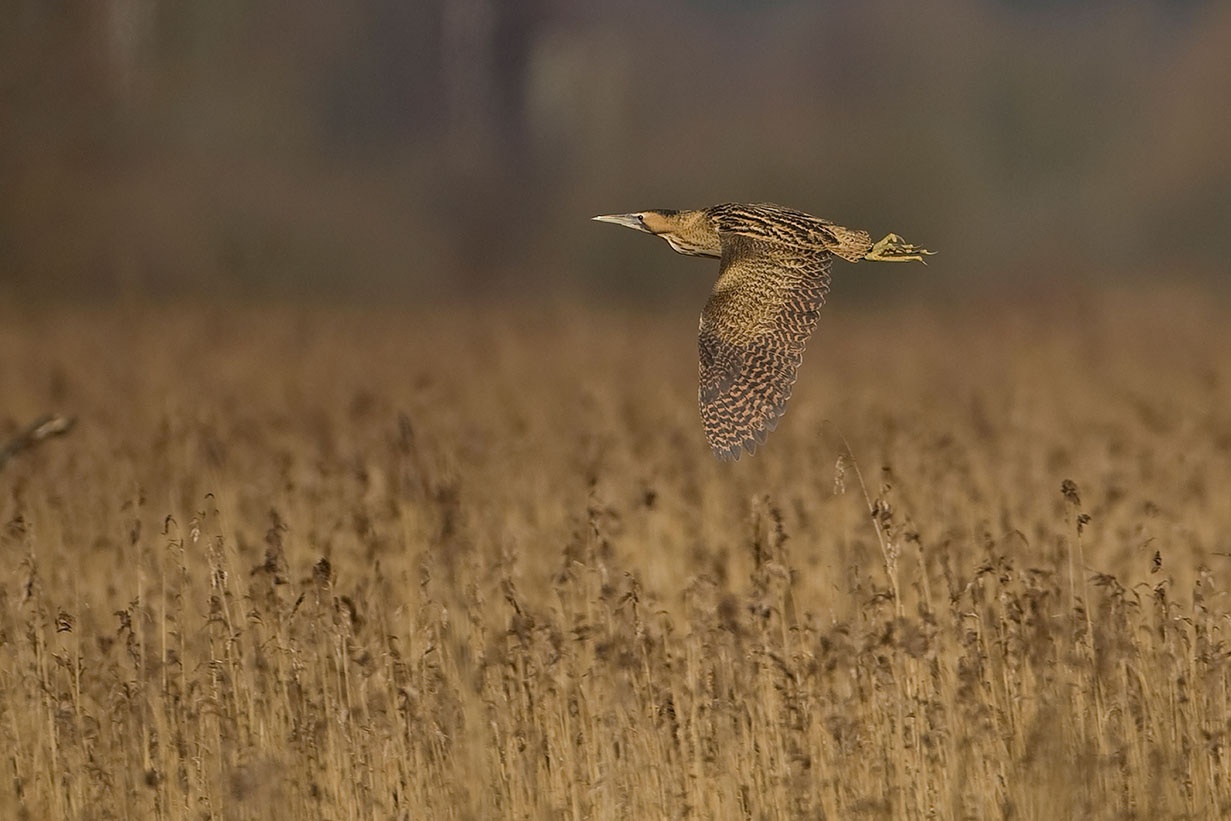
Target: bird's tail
x,y
895,249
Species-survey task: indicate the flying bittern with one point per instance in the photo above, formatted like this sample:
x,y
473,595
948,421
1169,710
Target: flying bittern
x,y
772,281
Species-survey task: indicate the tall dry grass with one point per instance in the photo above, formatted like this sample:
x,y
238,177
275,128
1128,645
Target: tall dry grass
x,y
474,563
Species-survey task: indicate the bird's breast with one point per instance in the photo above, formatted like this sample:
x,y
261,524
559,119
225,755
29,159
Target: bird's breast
x,y
683,246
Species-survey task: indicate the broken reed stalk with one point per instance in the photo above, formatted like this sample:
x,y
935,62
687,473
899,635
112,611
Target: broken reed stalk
x,y
48,426
887,551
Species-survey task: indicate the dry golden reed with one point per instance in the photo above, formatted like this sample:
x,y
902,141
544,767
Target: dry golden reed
x,y
477,563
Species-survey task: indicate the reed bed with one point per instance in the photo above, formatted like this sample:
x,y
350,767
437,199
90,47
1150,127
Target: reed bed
x,y
475,562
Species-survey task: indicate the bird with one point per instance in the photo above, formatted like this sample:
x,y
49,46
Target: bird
x,y
773,276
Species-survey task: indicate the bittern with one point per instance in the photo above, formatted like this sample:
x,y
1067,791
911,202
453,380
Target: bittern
x,y
772,280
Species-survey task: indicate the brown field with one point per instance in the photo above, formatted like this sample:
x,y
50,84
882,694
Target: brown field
x,y
385,563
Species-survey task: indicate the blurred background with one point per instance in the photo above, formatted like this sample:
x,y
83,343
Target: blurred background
x,y
458,147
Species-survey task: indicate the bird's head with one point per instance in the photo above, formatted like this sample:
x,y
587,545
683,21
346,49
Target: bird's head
x,y
654,221
686,231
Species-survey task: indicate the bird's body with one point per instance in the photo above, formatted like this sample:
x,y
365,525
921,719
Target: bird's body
x,y
772,282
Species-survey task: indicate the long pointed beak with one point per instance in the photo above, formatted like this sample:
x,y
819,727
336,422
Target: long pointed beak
x,y
627,220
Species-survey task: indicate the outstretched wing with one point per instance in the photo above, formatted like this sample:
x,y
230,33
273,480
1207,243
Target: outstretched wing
x,y
754,328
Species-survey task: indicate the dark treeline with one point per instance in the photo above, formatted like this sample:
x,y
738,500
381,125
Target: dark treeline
x,y
462,143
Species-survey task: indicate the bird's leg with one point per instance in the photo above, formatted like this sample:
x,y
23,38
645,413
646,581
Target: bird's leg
x,y
893,248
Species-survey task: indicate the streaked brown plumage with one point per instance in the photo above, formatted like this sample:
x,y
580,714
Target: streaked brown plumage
x,y
772,281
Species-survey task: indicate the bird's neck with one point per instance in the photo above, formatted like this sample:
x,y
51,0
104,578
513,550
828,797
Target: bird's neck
x,y
694,234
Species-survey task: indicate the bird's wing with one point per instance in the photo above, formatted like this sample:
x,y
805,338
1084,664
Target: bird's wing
x,y
753,331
